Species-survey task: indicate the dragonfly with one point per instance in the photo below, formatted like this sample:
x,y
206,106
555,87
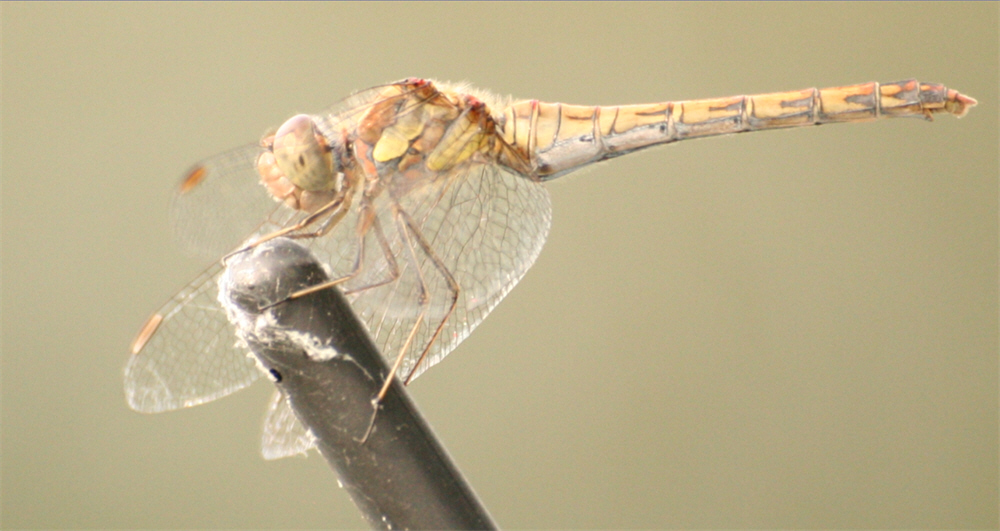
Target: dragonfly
x,y
427,202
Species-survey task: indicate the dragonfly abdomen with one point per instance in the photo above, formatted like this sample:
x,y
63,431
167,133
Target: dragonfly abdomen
x,y
557,138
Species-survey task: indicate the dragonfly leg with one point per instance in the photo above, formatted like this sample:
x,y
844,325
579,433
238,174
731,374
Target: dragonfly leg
x,y
392,373
409,233
403,227
453,287
390,259
324,227
335,210
367,221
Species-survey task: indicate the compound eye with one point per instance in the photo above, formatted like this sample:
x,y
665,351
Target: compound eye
x,y
302,154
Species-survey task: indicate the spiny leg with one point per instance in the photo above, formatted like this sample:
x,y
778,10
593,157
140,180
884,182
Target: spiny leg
x,y
326,226
389,258
452,286
367,220
424,302
336,209
402,225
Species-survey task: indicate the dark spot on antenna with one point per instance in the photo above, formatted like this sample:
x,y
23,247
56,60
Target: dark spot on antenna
x,y
276,375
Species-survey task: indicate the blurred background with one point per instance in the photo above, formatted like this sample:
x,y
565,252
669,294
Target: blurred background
x,y
791,329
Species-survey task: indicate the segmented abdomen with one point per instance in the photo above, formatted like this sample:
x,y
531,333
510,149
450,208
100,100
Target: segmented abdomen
x,y
558,138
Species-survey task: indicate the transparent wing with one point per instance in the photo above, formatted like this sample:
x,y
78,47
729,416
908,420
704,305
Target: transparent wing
x,y
192,357
221,202
485,224
284,435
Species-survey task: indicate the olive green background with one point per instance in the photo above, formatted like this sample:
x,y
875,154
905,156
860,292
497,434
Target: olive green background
x,y
785,329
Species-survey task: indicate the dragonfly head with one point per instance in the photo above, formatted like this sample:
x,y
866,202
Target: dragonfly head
x,y
304,156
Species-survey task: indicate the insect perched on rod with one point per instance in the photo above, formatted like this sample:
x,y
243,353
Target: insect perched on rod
x,y
427,203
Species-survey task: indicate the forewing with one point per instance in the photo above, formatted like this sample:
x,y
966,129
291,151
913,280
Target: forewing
x,y
221,202
192,357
